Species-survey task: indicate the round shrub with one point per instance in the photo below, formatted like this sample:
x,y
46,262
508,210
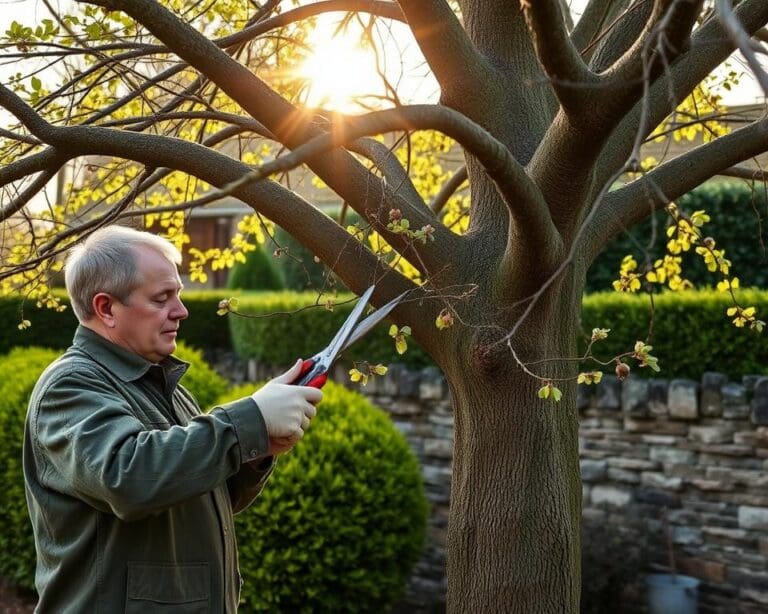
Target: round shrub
x,y
200,379
17,545
342,520
258,272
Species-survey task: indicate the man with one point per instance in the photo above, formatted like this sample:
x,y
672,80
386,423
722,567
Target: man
x,y
131,490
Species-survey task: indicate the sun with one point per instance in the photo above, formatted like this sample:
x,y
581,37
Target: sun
x,y
340,73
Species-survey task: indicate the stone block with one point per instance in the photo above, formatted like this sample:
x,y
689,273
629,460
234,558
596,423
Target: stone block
x,y
665,427
611,496
389,383
735,405
760,402
633,463
711,571
657,498
433,385
653,479
712,485
403,407
623,475
592,470
658,394
749,382
711,434
711,404
683,399
438,448
660,440
689,536
672,456
634,397
608,394
409,384
753,517
436,475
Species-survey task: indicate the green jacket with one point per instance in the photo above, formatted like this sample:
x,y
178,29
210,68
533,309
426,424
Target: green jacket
x,y
131,489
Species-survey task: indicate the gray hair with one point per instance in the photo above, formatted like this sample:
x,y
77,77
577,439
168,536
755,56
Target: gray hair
x,y
106,262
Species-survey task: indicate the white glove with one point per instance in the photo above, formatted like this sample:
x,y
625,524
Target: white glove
x,y
287,408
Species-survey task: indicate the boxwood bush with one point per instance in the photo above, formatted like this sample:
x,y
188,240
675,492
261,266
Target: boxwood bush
x,y
289,325
342,520
17,545
691,331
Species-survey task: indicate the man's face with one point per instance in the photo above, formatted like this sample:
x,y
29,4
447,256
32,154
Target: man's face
x,y
148,320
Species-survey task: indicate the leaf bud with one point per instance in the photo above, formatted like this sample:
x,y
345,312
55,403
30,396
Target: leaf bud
x,y
622,370
395,214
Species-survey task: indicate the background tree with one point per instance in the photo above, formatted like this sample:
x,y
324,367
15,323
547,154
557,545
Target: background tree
x,y
549,118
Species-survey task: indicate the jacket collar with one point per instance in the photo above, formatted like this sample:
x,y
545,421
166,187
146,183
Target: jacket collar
x,y
125,364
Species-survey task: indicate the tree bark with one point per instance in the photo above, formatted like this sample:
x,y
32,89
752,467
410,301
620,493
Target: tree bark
x,y
514,529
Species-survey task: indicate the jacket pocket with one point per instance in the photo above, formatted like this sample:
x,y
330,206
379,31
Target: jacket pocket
x,y
168,589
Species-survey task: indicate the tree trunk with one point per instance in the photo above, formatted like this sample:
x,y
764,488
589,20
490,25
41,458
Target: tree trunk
x,y
514,529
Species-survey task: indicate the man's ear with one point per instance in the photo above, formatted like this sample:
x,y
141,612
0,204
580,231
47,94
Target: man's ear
x,y
102,307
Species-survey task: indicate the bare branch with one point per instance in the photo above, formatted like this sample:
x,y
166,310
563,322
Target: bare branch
x,y
591,22
561,61
655,189
745,172
21,138
710,47
449,189
458,67
383,158
742,41
18,203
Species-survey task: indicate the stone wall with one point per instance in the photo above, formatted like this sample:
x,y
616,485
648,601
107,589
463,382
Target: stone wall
x,y
695,453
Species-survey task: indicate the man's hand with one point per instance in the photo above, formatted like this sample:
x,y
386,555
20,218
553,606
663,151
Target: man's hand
x,y
287,409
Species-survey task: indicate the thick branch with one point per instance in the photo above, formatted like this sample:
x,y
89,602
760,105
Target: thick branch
x,y
630,204
456,64
449,189
338,169
745,172
710,47
591,23
558,56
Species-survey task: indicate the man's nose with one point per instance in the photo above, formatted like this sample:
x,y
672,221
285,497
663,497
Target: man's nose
x,y
179,311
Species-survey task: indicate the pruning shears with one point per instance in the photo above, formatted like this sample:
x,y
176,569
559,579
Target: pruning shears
x,y
314,371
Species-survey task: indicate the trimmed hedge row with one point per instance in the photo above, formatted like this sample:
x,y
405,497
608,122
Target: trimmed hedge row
x,y
288,325
691,331
203,329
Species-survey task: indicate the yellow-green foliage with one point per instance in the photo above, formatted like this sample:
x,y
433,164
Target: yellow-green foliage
x,y
280,339
692,332
20,368
342,519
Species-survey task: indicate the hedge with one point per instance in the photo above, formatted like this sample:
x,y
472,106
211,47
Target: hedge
x,y
17,544
735,210
203,328
288,325
258,272
342,520
691,331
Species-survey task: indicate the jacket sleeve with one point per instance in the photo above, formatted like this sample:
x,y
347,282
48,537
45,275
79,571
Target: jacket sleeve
x,y
88,444
250,479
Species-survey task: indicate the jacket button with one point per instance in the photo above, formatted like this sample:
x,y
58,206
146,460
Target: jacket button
x,y
254,453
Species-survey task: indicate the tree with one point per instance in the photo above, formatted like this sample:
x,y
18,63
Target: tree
x,y
549,119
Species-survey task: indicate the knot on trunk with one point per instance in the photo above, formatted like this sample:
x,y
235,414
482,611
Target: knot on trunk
x,y
488,354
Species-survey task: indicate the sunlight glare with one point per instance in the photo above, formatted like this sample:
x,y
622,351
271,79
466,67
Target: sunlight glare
x,y
339,71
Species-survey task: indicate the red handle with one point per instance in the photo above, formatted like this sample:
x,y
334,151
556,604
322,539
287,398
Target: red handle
x,y
316,382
